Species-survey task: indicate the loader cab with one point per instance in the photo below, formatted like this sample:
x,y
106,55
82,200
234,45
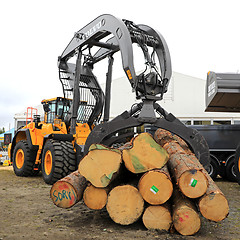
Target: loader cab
x,y
55,108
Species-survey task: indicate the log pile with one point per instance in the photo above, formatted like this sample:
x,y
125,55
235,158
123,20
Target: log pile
x,y
157,179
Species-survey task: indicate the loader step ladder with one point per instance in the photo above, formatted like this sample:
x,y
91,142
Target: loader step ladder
x,y
30,114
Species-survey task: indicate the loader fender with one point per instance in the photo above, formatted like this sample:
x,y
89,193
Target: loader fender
x,y
59,137
24,134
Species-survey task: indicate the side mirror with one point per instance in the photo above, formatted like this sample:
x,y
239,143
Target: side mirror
x,y
46,107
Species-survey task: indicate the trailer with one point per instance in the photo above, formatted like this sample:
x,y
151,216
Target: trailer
x,y
222,141
223,95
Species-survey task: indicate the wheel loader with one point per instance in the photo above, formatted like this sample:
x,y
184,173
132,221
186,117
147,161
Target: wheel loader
x,y
81,117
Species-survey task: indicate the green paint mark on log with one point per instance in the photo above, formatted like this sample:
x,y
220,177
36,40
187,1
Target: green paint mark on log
x,y
102,147
137,165
155,145
105,180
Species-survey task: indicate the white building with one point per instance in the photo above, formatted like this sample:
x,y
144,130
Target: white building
x,y
185,99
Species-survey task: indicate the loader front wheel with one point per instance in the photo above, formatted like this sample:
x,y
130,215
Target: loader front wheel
x,y
58,160
22,163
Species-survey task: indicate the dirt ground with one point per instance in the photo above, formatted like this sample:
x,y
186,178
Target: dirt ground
x,y
27,212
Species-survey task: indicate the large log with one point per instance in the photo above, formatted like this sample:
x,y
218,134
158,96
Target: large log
x,y
157,217
213,205
184,166
95,198
101,165
67,191
155,186
162,136
125,204
188,175
185,217
144,154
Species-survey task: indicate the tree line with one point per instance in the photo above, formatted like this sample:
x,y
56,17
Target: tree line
x,y
2,130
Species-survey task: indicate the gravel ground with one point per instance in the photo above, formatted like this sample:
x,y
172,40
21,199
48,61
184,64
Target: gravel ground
x,y
27,212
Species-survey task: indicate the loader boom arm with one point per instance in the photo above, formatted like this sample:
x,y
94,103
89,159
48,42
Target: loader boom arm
x,y
125,33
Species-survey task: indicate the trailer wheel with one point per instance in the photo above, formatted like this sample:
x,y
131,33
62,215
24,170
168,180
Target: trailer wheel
x,y
231,170
214,168
237,163
58,160
22,162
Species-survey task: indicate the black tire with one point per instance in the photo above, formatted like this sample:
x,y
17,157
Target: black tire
x,y
237,164
63,160
23,164
230,169
214,168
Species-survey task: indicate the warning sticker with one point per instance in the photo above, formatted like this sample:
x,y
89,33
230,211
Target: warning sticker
x,y
154,189
193,182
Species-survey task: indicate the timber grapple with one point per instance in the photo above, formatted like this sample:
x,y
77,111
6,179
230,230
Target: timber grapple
x,y
100,39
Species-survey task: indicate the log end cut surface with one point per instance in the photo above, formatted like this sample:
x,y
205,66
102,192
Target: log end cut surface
x,y
144,155
155,187
157,217
214,206
63,194
193,183
186,221
125,204
95,198
99,166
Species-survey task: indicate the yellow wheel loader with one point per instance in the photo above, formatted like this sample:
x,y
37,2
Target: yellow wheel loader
x,y
46,145
72,123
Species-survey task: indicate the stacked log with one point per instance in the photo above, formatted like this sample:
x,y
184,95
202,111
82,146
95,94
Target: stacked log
x,y
144,154
155,186
184,167
68,191
157,217
158,179
185,217
101,165
213,205
95,198
125,204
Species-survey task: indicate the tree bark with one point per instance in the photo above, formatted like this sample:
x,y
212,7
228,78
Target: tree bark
x,y
144,154
67,191
184,166
188,174
163,136
125,204
185,217
213,205
155,186
95,198
101,165
157,217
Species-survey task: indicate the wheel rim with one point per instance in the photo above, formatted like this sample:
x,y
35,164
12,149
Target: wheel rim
x,y
233,171
19,158
48,162
210,169
238,170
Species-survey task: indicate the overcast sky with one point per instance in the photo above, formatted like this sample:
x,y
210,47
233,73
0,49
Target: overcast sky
x,y
202,35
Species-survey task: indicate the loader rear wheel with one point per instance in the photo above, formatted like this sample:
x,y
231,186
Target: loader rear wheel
x,y
22,162
58,160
